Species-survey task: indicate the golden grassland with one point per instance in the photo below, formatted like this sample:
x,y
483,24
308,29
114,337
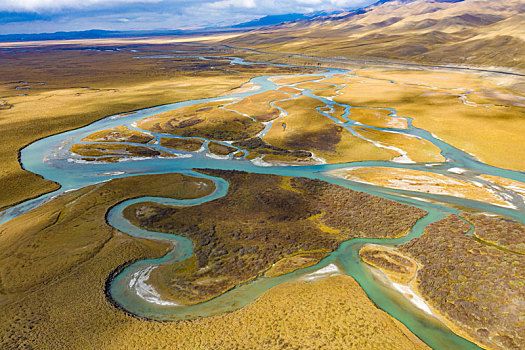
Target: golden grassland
x,y
313,85
289,90
295,262
89,150
258,106
206,120
306,129
493,133
259,223
220,149
183,144
419,150
83,86
119,134
294,80
338,79
379,118
56,258
397,267
475,287
303,129
420,181
327,93
338,112
246,87
37,247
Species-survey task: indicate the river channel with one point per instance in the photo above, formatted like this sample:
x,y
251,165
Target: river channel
x,y
51,158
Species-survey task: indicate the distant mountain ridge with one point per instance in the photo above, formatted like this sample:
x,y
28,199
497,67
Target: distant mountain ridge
x,y
279,19
100,34
464,32
93,34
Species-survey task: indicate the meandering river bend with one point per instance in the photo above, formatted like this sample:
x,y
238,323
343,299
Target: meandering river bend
x,y
50,157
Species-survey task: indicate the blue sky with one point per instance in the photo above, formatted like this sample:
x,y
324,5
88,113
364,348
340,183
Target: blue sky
x,y
36,16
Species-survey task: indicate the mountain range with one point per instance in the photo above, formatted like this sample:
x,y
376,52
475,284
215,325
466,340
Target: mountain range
x,y
462,32
459,32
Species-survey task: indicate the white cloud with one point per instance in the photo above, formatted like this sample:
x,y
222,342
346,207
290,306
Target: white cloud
x,y
39,5
282,6
55,15
233,3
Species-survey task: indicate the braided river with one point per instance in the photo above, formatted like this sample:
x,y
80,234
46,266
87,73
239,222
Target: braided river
x,y
50,157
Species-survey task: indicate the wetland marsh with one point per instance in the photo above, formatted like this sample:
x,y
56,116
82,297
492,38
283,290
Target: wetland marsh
x,y
190,259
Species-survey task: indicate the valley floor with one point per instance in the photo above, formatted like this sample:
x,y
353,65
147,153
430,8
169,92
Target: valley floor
x,y
444,148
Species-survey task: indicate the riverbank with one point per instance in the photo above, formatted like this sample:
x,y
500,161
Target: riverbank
x,y
410,291
94,84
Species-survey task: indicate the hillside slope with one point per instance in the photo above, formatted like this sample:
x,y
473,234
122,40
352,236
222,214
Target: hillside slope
x,y
469,32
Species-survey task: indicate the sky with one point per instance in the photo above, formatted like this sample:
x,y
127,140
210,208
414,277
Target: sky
x,y
40,16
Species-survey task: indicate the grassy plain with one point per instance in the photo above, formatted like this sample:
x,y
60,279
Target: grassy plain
x,y
294,262
220,149
491,132
326,93
306,129
48,90
499,231
379,118
90,150
259,223
417,149
420,181
119,134
337,112
206,120
184,144
258,106
314,85
289,90
476,287
397,267
294,80
56,258
39,246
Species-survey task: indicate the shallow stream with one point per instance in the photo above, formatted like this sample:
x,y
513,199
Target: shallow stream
x,y
50,157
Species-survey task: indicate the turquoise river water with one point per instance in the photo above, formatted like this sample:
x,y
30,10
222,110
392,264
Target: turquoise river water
x,y
50,157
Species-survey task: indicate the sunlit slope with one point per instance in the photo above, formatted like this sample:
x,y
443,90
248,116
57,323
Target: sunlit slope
x,y
473,32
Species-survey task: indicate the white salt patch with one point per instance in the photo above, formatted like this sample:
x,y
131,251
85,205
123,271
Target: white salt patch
x,y
146,291
179,155
457,170
129,159
260,162
413,297
216,156
318,160
114,173
403,159
506,196
327,271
